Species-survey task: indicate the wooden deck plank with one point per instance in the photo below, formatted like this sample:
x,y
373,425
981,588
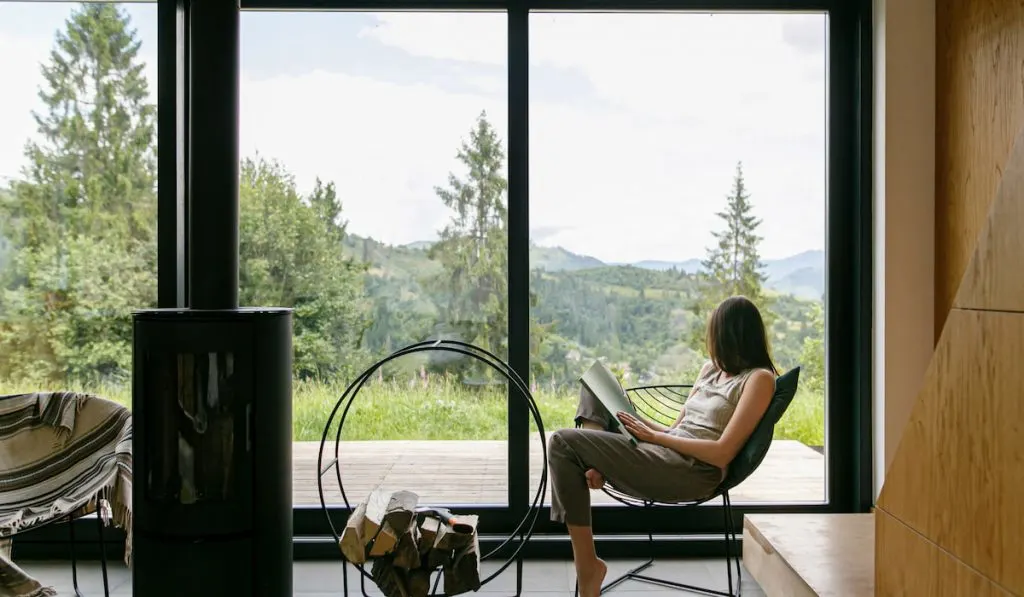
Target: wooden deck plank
x,y
460,472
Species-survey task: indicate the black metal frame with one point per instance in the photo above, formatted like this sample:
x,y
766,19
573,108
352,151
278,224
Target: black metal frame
x,y
517,388
849,238
848,251
663,403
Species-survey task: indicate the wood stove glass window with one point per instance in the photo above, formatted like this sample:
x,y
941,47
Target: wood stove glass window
x,y
373,201
197,437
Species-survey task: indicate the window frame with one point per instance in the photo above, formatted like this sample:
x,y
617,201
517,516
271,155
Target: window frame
x,y
848,326
848,473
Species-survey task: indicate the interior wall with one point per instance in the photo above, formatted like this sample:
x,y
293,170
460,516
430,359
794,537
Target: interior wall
x,y
979,110
904,208
948,518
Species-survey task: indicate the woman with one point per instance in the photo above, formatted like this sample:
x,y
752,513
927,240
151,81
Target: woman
x,y
686,461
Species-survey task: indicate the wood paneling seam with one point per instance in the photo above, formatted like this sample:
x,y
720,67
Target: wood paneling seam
x,y
945,551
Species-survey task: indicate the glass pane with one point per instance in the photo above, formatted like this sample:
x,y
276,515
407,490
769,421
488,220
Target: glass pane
x,y
374,202
192,444
675,160
77,192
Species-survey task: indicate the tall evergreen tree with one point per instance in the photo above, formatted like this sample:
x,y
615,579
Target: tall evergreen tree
x,y
473,248
82,222
733,265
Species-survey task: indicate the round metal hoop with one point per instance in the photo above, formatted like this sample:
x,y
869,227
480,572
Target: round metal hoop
x,y
524,530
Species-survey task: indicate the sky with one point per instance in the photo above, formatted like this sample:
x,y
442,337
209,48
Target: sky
x,y
637,121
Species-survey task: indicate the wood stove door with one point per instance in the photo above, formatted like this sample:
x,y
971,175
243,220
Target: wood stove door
x,y
196,406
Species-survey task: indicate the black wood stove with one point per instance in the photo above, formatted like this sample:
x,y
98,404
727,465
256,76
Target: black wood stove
x,y
211,392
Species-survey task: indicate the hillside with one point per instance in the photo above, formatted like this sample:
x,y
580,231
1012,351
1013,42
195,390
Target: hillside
x,y
802,275
638,314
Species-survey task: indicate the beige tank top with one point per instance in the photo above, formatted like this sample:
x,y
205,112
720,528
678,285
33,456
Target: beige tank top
x,y
712,404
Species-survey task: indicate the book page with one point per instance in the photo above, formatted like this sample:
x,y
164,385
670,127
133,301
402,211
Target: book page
x,y
605,387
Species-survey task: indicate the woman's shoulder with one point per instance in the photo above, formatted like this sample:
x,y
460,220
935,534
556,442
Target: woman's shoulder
x,y
761,376
707,370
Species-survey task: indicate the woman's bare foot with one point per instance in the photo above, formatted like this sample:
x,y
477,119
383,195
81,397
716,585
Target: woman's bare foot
x,y
590,577
595,480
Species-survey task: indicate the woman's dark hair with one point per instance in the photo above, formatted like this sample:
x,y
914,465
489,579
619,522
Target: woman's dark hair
x,y
736,338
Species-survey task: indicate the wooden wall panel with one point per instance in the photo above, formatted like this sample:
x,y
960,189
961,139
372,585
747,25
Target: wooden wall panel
x,y
995,275
909,564
979,108
958,477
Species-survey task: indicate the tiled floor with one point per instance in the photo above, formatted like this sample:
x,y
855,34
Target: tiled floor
x,y
324,579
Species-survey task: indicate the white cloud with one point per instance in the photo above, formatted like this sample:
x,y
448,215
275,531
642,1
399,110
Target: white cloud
x,y
685,96
636,173
384,145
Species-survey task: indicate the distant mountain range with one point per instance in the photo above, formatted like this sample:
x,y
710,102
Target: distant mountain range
x,y
802,275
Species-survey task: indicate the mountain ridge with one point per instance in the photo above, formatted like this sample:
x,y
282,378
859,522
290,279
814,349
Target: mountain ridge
x,y
801,274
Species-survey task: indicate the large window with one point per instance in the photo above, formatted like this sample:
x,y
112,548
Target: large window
x,y
556,187
675,160
78,211
374,201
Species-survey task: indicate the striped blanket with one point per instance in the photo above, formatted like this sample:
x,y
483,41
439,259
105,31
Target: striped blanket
x,y
60,452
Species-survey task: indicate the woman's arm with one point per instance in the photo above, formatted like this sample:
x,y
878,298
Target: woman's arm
x,y
752,405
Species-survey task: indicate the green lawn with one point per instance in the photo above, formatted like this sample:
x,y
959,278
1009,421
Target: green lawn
x,y
442,410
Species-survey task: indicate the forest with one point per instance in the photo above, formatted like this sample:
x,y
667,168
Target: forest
x,y
78,254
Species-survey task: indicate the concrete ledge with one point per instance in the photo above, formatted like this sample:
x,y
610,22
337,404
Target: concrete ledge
x,y
811,555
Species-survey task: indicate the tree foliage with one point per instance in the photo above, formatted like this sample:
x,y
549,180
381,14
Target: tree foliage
x,y
290,253
473,247
733,265
78,244
82,222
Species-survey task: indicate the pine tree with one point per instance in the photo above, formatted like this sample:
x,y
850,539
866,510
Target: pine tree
x,y
733,265
82,222
473,248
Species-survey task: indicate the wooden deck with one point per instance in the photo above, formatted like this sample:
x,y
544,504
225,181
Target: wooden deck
x,y
476,472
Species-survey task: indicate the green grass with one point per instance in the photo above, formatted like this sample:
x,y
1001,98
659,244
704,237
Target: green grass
x,y
443,410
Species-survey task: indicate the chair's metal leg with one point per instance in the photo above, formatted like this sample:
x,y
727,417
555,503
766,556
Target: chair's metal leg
x,y
362,583
519,574
344,576
739,548
103,551
634,574
74,557
729,535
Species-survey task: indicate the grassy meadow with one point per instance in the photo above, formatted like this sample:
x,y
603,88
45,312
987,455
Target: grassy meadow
x,y
443,410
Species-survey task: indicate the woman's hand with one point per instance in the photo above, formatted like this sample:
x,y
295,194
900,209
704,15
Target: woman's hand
x,y
640,430
595,480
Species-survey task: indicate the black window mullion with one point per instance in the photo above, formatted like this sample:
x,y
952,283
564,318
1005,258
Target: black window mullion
x,y
518,254
171,153
848,268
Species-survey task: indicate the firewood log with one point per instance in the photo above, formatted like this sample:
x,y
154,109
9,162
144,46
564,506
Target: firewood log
x,y
353,542
381,519
462,575
389,579
407,553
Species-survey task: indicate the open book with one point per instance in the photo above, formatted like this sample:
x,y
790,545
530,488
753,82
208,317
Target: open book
x,y
605,387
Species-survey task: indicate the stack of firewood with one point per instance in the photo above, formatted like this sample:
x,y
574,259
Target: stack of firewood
x,y
405,544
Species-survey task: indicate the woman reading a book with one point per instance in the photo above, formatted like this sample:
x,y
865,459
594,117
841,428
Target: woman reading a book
x,y
682,462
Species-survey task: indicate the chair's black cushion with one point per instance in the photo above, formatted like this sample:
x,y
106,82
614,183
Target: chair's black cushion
x,y
753,452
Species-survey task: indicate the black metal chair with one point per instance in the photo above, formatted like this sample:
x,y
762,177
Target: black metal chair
x,y
662,403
